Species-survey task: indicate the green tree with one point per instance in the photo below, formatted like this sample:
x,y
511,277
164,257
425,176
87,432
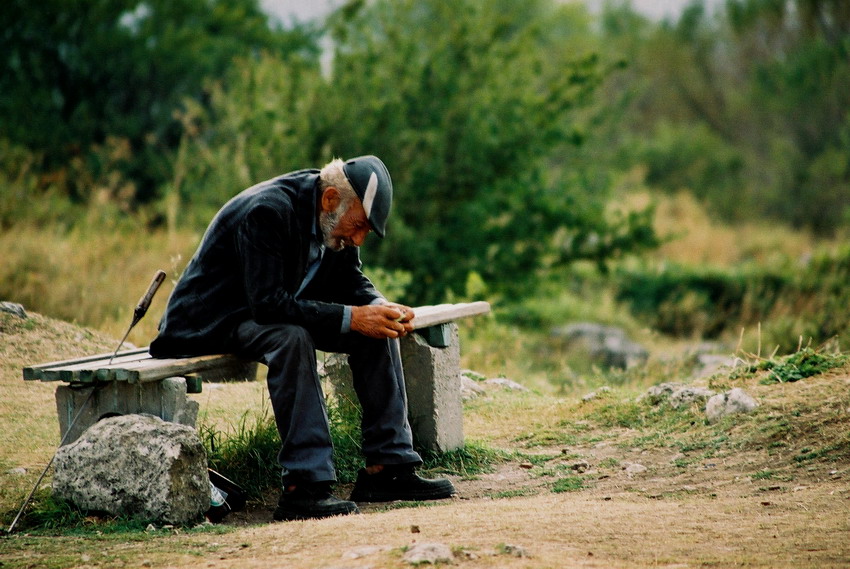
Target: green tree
x,y
75,72
472,104
747,107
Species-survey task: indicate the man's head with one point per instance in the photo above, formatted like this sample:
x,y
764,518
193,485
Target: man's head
x,y
355,198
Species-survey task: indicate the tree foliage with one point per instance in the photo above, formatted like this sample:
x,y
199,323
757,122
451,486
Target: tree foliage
x,y
76,72
747,108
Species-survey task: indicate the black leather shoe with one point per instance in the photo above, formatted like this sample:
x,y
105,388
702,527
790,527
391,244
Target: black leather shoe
x,y
309,501
398,482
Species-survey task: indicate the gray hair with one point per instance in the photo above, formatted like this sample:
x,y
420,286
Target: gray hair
x,y
333,175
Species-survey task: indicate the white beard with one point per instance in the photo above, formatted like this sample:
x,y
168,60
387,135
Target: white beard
x,y
327,223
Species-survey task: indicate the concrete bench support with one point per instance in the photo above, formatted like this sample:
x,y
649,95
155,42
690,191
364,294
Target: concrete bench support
x,y
432,378
165,399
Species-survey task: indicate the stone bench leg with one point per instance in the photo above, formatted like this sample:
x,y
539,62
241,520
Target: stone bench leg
x,y
432,377
165,399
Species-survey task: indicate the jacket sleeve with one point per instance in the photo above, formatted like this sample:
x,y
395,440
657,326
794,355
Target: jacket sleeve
x,y
269,249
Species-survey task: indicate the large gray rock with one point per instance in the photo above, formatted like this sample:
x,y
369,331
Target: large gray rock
x,y
607,346
137,466
724,404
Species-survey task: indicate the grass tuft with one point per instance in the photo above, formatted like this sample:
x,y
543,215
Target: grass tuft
x,y
568,484
471,460
248,454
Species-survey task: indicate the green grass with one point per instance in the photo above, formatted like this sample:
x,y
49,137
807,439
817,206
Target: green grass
x,y
247,454
568,484
472,459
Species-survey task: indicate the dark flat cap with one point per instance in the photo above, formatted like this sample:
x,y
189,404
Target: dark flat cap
x,y
371,182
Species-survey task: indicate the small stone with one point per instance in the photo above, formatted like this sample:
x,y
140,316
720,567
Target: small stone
x,y
733,401
414,529
19,471
470,389
515,550
432,553
598,393
633,469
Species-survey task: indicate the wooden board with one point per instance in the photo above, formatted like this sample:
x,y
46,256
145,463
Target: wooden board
x,y
426,316
132,365
36,372
155,369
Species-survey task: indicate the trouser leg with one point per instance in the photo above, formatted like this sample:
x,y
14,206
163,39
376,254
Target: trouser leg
x,y
297,400
379,384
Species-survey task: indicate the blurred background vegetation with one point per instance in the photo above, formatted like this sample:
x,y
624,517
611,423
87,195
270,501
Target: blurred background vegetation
x,y
687,179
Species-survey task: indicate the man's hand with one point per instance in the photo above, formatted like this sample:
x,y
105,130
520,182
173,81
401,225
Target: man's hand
x,y
382,320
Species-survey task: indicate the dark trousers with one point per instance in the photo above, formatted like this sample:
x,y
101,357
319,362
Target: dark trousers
x,y
299,405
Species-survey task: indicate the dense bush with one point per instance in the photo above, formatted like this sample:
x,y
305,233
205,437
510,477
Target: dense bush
x,y
793,305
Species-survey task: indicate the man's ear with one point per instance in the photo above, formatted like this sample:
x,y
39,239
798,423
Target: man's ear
x,y
330,199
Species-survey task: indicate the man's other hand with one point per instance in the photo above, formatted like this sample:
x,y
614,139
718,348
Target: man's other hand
x,y
382,320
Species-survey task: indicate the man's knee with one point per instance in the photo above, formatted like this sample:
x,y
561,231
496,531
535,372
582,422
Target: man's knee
x,y
268,339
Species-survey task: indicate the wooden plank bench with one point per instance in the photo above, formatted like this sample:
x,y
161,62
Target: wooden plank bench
x,y
135,382
137,366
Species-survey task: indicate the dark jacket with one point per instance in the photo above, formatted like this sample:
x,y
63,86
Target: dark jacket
x,y
250,263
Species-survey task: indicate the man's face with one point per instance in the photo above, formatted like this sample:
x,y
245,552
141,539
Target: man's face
x,y
341,228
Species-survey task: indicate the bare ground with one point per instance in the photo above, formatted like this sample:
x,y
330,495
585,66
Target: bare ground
x,y
772,490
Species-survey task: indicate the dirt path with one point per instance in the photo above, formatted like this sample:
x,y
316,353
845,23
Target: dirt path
x,y
708,514
616,523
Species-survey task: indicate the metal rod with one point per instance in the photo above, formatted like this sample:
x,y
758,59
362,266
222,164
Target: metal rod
x,y
52,458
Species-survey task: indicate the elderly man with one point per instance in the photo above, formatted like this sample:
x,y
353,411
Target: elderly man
x,y
277,276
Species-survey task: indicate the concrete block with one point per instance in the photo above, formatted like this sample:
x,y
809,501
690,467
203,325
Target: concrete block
x,y
165,399
432,379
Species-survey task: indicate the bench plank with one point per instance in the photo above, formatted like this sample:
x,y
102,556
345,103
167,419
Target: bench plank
x,y
85,372
36,372
152,369
441,313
